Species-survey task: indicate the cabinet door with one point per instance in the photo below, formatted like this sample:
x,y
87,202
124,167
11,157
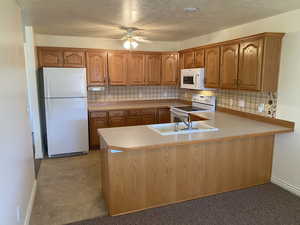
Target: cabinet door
x,y
250,64
164,115
169,69
148,116
212,67
136,69
74,58
199,58
188,60
96,67
229,66
117,68
97,120
117,118
153,69
50,57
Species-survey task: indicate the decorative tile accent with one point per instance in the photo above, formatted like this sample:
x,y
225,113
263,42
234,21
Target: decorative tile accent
x,y
129,93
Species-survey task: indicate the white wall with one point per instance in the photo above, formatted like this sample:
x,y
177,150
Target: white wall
x,y
31,74
88,42
286,163
16,161
286,22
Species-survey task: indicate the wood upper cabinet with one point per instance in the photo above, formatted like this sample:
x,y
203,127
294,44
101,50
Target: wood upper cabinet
x,y
250,64
212,67
50,57
136,69
199,58
61,57
169,69
96,67
229,66
74,58
153,69
117,67
188,60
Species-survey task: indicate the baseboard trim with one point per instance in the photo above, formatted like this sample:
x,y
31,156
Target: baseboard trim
x,y
30,203
291,188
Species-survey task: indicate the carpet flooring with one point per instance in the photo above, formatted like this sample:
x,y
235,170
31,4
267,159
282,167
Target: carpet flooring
x,y
261,205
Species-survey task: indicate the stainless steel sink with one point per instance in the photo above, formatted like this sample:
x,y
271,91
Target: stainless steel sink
x,y
180,128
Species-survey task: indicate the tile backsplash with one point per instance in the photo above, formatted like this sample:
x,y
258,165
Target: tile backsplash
x,y
130,93
262,103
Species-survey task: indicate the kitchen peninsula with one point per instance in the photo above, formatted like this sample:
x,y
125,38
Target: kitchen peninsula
x,y
144,169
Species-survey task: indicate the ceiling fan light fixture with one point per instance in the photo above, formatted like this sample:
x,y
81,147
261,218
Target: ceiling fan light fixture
x,y
127,44
134,44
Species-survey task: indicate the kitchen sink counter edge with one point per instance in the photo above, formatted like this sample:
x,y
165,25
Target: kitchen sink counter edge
x,y
229,127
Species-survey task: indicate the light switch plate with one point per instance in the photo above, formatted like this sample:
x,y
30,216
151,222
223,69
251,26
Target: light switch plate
x,y
242,103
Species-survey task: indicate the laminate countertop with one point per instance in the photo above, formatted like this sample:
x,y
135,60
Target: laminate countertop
x,y
124,105
230,126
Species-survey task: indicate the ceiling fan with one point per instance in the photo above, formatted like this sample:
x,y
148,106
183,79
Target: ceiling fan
x,y
131,41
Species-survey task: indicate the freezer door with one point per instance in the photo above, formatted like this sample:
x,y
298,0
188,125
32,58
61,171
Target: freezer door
x,y
64,82
67,125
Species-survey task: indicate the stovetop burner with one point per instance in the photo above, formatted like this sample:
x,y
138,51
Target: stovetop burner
x,y
191,108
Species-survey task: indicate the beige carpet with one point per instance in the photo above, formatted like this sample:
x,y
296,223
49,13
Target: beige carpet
x,y
68,190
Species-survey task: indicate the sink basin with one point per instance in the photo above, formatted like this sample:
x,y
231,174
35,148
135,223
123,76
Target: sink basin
x,y
170,128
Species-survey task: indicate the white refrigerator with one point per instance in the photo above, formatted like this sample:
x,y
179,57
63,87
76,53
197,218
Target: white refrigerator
x,y
65,106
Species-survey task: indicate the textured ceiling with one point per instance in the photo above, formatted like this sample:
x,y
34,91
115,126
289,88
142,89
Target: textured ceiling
x,y
163,20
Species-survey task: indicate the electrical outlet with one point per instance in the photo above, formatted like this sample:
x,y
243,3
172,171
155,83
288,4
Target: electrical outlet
x,y
19,214
231,102
242,103
261,107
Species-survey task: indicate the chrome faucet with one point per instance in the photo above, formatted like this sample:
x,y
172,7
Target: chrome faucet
x,y
182,117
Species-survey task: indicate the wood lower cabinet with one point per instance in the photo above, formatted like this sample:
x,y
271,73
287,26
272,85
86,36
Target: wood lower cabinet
x,y
97,120
117,67
250,64
229,66
148,116
164,115
153,69
119,118
212,67
136,69
96,67
169,69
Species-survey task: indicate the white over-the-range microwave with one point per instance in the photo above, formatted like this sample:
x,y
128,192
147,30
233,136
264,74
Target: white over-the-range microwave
x,y
193,78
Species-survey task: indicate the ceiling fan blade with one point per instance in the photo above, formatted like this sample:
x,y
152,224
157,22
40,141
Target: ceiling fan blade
x,y
141,39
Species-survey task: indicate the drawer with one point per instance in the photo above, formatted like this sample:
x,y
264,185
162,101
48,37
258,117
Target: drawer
x,y
98,114
117,113
148,119
133,112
